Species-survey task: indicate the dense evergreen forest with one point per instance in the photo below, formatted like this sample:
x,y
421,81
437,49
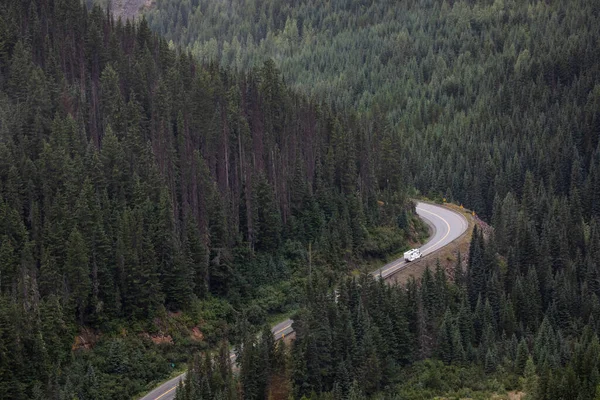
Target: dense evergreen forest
x,y
495,104
482,333
146,193
475,95
142,193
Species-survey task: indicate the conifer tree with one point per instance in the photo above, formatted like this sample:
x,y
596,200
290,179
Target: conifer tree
x,y
77,273
112,104
268,220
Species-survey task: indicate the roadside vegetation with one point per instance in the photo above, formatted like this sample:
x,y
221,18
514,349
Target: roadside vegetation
x,y
480,335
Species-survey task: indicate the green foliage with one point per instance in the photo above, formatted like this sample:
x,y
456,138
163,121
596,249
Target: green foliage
x,y
137,184
383,337
430,378
458,76
117,369
383,240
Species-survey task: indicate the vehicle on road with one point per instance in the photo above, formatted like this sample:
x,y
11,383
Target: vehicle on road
x,y
412,255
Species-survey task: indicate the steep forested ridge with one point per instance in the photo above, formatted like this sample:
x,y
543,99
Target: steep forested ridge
x,y
478,92
496,104
135,182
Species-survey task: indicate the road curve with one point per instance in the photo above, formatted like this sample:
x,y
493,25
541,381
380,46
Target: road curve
x,y
447,225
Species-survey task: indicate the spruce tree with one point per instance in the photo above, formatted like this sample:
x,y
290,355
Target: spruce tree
x,y
77,273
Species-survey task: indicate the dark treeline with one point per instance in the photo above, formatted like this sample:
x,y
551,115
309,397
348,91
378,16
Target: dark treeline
x,y
536,331
134,181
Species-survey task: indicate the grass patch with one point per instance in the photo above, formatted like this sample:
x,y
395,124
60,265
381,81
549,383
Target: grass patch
x,y
274,319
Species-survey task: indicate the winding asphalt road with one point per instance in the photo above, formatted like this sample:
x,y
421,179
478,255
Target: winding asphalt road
x,y
446,225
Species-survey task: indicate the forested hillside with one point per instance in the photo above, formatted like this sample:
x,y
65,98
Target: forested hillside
x,y
144,194
487,331
136,183
478,93
493,104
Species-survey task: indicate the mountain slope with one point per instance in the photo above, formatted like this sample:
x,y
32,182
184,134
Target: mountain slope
x,y
477,92
136,183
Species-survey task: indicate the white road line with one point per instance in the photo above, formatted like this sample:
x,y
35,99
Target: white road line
x,y
447,232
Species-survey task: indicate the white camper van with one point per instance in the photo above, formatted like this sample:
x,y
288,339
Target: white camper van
x,y
412,255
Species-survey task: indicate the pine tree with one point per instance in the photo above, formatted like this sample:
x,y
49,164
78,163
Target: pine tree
x,y
77,273
444,339
55,331
219,268
198,252
112,104
8,263
475,269
20,70
459,273
530,379
522,357
140,287
268,219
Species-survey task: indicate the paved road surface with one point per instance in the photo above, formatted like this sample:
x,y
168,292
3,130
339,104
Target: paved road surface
x,y
166,391
282,328
447,225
